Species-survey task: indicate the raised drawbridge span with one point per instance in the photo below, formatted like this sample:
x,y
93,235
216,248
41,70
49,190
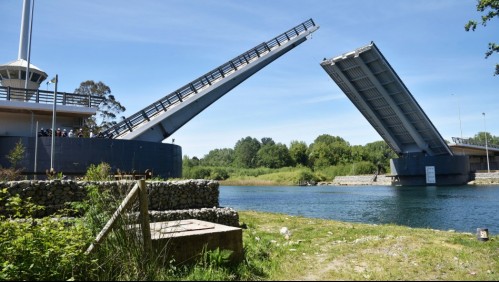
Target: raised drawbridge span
x,y
368,80
162,118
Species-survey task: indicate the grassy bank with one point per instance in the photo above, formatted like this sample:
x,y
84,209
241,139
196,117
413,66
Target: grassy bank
x,y
313,249
329,250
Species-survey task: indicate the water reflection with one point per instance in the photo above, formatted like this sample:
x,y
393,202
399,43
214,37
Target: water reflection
x,y
461,208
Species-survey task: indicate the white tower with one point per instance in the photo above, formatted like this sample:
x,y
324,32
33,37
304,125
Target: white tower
x,y
13,74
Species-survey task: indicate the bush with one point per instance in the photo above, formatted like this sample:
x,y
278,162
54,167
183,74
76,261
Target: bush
x,y
306,176
42,249
364,168
15,156
10,174
101,172
200,173
219,174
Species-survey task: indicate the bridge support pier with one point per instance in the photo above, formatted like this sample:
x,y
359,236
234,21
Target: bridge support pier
x,y
412,170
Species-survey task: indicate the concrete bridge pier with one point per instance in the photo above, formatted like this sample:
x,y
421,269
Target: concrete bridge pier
x,y
420,169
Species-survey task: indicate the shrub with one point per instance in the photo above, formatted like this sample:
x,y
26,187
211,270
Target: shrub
x,y
16,154
219,174
200,173
100,172
41,249
10,174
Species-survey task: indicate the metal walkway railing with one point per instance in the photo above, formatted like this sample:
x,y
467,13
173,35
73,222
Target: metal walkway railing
x,y
205,81
47,97
473,142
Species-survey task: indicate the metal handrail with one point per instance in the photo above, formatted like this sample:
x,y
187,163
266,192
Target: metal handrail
x,y
206,80
47,97
472,142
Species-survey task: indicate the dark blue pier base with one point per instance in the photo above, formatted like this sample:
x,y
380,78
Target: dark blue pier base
x,y
73,156
449,170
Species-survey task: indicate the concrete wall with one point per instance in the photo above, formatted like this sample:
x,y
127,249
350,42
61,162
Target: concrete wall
x,y
168,200
361,180
485,178
73,156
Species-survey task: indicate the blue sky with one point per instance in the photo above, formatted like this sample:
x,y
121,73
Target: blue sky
x,y
143,50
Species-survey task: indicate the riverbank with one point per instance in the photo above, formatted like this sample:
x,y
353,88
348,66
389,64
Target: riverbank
x,y
485,178
360,180
302,249
338,180
481,178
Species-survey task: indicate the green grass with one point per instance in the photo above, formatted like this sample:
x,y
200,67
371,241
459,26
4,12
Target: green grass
x,y
329,250
317,249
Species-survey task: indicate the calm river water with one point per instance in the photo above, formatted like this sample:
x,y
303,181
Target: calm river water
x,y
461,208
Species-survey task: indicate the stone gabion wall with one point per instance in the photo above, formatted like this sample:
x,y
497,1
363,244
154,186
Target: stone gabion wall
x,y
52,195
185,194
167,199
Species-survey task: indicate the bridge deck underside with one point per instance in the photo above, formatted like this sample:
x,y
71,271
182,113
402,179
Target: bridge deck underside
x,y
375,89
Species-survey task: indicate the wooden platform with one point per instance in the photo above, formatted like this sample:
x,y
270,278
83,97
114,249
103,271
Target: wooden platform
x,y
184,240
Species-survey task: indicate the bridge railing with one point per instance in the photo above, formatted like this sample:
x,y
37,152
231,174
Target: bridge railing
x,y
206,80
473,142
47,97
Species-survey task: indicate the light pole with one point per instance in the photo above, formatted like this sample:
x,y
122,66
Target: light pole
x,y
486,146
459,112
54,80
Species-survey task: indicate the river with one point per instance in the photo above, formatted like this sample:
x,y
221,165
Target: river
x,y
459,208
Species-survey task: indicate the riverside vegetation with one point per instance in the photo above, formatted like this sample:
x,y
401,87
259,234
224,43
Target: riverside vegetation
x,y
309,249
53,248
265,162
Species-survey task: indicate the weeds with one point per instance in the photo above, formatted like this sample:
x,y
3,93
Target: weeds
x,y
101,172
15,156
41,249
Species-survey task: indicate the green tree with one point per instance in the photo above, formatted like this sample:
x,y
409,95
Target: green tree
x,y
108,109
267,141
200,173
273,156
245,152
490,8
321,155
219,174
329,139
329,150
188,166
481,136
358,153
298,152
219,157
16,154
379,153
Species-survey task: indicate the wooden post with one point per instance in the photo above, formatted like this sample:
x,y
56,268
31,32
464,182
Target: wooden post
x,y
110,223
144,218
